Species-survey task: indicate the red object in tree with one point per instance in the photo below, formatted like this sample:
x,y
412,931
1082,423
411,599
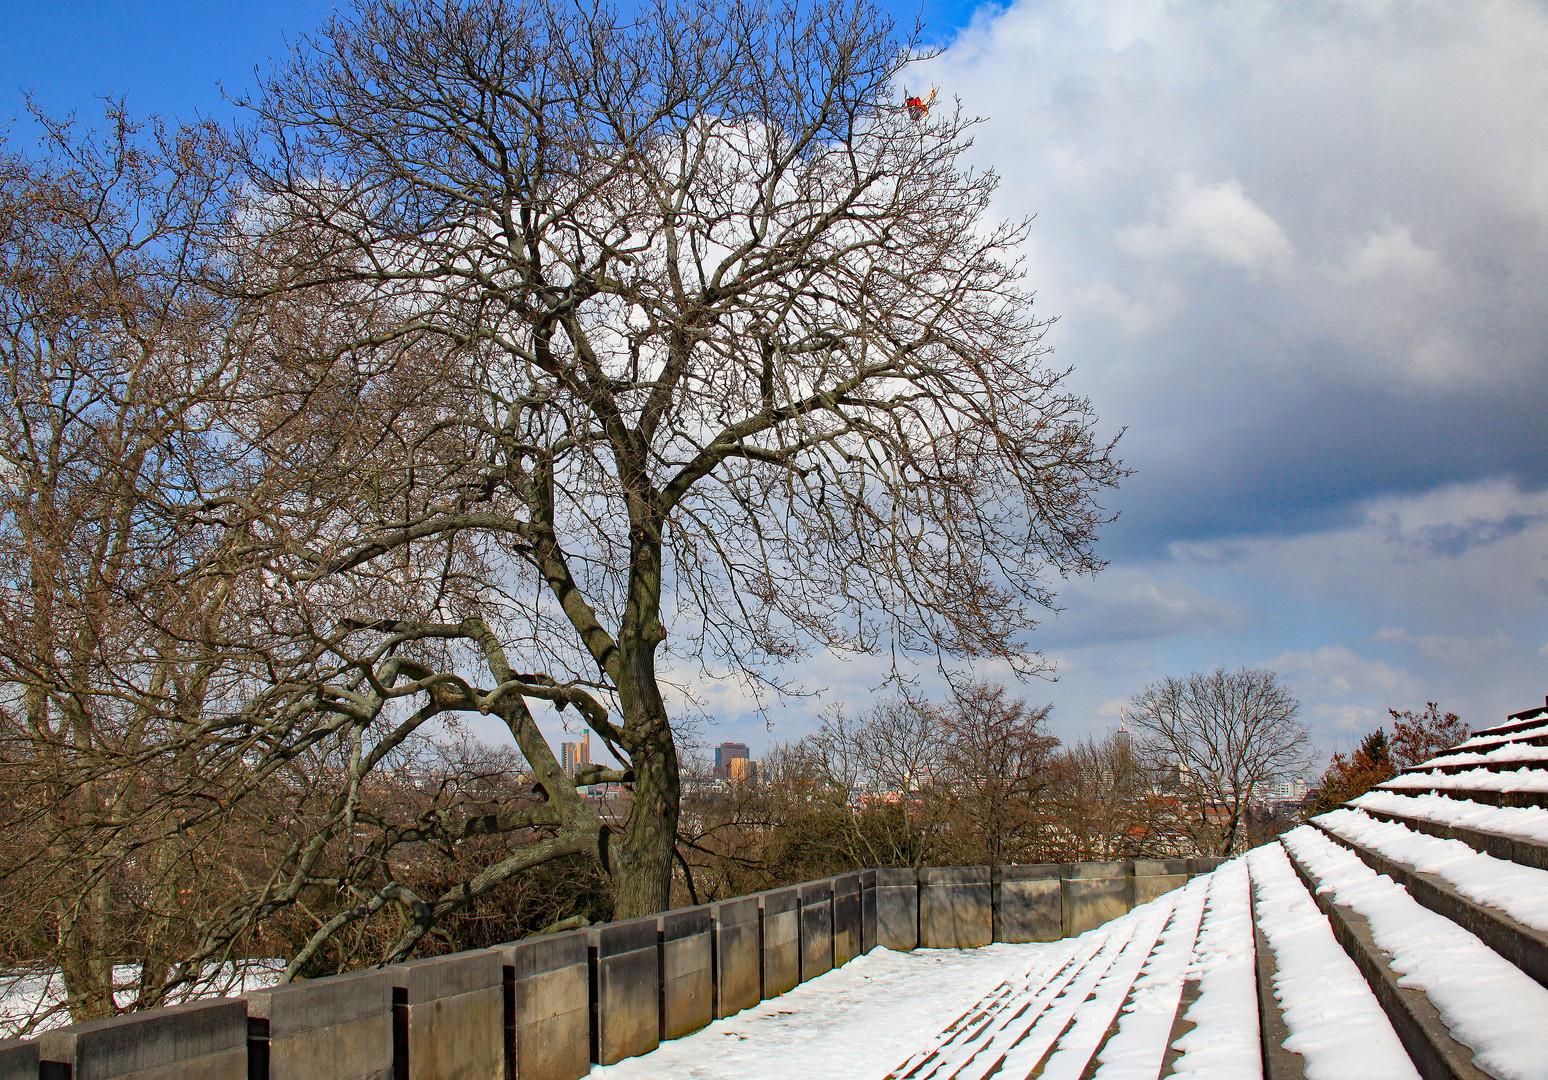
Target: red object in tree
x,y
918,107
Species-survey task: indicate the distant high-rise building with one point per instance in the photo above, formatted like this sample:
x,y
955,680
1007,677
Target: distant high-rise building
x,y
725,754
575,754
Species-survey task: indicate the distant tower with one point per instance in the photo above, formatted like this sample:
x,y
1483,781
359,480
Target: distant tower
x,y
1125,740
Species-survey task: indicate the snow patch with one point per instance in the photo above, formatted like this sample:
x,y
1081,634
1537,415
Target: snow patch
x,y
1335,1022
1486,1002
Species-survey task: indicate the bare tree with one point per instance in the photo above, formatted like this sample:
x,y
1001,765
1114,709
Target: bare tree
x,y
543,356
1224,736
586,349
116,597
994,770
1104,805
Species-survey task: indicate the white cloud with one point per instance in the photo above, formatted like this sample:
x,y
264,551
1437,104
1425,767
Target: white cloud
x,y
1378,173
1217,221
1335,671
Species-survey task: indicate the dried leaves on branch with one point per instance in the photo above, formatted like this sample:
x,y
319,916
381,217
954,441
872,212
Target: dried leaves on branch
x,y
537,357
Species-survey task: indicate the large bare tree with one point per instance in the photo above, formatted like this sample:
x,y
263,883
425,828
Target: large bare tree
x,y
688,325
1219,739
551,356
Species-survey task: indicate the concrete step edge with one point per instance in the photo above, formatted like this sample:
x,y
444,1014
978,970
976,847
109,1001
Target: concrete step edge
x,y
1521,945
1435,1054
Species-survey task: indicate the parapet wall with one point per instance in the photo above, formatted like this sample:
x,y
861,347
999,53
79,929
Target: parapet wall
x,y
546,1008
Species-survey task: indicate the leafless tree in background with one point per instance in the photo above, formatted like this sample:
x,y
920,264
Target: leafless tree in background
x,y
905,782
1104,805
630,350
114,597
994,771
1225,736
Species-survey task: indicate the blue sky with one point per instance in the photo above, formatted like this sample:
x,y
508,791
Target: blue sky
x,y
1298,250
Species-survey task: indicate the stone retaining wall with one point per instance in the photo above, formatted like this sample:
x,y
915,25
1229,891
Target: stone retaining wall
x,y
546,1008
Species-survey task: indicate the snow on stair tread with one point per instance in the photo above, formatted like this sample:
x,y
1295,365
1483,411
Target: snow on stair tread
x,y
1010,1024
1335,1022
1523,822
1519,891
1485,739
1001,1006
1094,1019
1479,779
1137,1049
1224,1043
1507,752
1463,978
1013,1023
1046,1015
1033,1041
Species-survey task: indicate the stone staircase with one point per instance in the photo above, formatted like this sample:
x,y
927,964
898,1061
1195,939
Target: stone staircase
x,y
1403,935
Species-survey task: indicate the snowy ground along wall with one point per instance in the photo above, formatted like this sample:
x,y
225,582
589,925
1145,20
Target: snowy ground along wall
x,y
1404,935
547,1008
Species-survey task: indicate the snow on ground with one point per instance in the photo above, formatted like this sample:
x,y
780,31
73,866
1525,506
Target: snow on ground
x,y
1527,822
1335,1022
1485,1001
857,1022
32,1001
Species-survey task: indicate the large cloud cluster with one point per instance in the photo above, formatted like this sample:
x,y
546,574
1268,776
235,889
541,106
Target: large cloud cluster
x,y
1301,252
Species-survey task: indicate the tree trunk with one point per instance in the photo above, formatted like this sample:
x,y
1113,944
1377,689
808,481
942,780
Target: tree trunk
x,y
640,860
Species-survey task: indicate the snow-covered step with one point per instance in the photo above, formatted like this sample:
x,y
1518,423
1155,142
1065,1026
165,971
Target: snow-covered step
x,y
1319,1017
1143,1031
1224,1040
985,1023
1096,1023
1519,724
1039,1038
1517,834
1106,1005
1536,733
1504,905
1520,787
1461,1010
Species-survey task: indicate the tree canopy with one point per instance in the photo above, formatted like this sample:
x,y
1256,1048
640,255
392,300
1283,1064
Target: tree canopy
x,y
544,353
